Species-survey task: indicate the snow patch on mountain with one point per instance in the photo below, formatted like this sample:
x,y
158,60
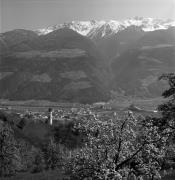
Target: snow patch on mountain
x,y
82,27
95,28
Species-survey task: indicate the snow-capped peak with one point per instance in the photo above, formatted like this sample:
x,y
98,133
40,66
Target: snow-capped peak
x,y
82,27
95,28
149,24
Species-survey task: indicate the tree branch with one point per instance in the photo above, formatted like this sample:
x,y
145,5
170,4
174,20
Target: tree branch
x,y
128,159
116,157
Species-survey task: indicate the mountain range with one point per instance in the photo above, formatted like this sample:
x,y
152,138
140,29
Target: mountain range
x,y
94,29
83,61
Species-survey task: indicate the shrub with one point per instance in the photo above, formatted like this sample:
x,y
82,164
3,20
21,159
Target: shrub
x,y
10,160
51,155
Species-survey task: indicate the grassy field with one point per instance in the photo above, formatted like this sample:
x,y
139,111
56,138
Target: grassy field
x,y
49,175
170,176
58,175
147,104
117,103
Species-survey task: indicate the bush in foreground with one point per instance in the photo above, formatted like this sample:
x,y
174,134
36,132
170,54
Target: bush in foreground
x,y
10,160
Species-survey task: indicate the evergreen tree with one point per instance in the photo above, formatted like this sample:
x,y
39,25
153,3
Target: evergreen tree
x,y
167,109
166,122
51,155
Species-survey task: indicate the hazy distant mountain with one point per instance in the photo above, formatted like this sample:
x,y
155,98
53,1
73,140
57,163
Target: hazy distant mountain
x,y
112,46
137,70
133,37
60,66
158,37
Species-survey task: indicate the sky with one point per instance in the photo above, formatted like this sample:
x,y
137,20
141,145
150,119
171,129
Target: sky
x,y
34,14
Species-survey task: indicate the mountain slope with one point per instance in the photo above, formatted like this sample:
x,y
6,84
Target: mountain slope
x,y
10,39
60,66
64,65
112,46
113,37
137,70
